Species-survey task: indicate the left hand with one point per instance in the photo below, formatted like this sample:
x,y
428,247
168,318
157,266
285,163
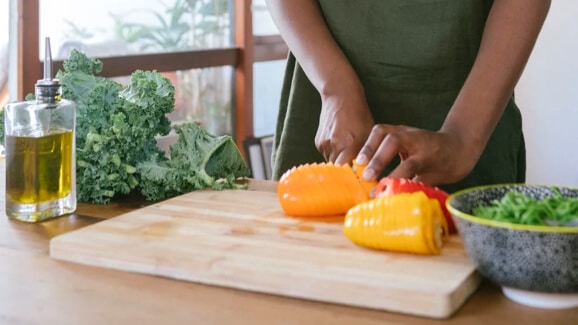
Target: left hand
x,y
344,124
431,157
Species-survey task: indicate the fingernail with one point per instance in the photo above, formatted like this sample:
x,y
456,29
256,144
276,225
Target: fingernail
x,y
361,159
368,174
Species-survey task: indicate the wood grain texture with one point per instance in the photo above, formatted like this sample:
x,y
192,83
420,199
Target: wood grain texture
x,y
35,289
241,239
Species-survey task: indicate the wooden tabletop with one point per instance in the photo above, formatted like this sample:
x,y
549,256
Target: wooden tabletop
x,y
35,289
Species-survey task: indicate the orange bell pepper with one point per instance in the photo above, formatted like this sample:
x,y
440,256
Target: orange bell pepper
x,y
322,189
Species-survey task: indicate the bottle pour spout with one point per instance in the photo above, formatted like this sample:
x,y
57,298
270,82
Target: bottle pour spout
x,y
47,60
47,89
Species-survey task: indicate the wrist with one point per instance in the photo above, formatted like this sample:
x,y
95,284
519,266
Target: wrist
x,y
471,142
472,120
341,84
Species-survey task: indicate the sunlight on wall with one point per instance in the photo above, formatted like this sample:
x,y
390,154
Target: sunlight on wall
x,y
548,97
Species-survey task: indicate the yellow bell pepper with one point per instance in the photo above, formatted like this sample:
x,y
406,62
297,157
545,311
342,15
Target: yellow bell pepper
x,y
405,222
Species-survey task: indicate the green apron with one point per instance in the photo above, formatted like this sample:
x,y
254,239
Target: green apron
x,y
412,57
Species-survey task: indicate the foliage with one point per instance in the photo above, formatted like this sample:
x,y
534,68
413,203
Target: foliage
x,y
519,208
115,136
77,32
198,160
184,24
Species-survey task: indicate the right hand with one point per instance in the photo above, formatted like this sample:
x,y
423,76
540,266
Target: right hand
x,y
431,157
344,125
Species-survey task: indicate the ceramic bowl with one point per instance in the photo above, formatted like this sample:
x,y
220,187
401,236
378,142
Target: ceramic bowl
x,y
534,265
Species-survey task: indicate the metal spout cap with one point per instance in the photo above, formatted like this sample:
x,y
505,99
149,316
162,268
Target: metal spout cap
x,y
48,90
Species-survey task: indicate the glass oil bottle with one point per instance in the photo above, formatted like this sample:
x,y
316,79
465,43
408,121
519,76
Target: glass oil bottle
x,y
40,152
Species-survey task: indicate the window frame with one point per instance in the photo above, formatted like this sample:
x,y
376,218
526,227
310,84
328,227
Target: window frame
x,y
247,49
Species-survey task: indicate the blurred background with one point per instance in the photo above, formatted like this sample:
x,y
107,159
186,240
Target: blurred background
x,y
235,48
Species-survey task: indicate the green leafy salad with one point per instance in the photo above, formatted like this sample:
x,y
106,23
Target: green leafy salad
x,y
519,208
116,148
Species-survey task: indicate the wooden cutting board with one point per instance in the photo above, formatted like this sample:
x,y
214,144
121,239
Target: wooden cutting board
x,y
241,239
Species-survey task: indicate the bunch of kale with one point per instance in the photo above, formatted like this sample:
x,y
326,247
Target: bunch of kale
x,y
116,130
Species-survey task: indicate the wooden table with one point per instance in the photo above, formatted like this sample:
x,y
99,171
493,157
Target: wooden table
x,y
35,289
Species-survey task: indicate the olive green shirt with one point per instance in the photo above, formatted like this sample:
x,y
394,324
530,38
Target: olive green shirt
x,y
412,57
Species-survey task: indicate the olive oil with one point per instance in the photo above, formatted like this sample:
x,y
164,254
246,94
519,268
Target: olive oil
x,y
40,152
39,167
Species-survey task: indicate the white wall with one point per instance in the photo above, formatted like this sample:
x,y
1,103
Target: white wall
x,y
548,97
267,77
267,84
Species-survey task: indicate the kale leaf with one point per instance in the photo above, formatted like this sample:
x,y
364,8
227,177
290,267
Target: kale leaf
x,y
198,160
116,147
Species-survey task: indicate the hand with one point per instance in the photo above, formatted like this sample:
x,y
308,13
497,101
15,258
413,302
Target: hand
x,y
431,157
344,125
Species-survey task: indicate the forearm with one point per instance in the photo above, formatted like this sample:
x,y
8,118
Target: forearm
x,y
509,37
301,24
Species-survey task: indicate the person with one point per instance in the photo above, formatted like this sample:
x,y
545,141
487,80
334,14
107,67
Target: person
x,y
419,89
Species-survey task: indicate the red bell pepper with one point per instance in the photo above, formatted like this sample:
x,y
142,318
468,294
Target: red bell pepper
x,y
391,186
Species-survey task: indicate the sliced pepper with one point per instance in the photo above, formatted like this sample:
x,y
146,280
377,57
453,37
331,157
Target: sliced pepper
x,y
392,186
322,189
406,222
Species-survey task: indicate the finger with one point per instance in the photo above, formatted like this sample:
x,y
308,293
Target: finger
x,y
370,146
325,149
345,156
331,151
386,152
334,154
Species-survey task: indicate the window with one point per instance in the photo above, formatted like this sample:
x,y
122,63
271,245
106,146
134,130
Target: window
x,y
4,17
125,27
206,46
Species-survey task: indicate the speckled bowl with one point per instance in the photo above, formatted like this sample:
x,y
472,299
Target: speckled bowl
x,y
534,265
